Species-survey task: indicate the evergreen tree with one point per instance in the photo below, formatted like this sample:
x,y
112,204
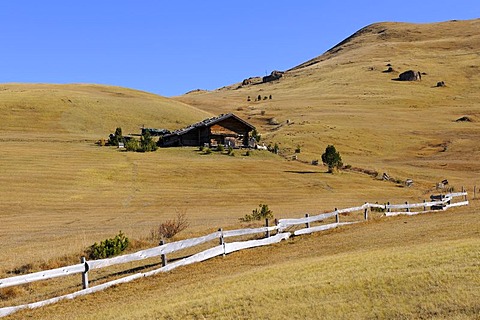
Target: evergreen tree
x,y
332,158
146,142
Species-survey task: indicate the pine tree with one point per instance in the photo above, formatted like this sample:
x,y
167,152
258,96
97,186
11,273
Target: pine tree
x,y
332,158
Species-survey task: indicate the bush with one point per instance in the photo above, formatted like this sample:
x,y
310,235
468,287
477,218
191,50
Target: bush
x,y
230,151
255,135
207,150
146,143
132,145
170,228
220,148
263,213
332,158
108,247
298,149
275,149
247,154
116,137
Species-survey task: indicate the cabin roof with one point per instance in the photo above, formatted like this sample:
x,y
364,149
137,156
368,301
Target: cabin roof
x,y
210,122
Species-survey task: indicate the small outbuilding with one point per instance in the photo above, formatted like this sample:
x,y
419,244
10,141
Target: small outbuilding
x,y
226,129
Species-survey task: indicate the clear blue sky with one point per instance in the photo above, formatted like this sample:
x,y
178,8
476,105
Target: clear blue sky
x,y
171,47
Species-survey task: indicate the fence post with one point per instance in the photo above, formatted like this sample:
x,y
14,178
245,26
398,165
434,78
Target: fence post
x,y
474,192
424,206
222,240
276,224
164,256
388,206
307,225
337,218
465,196
85,273
408,209
267,233
365,212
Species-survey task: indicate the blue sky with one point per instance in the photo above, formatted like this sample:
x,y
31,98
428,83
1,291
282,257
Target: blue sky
x,y
171,47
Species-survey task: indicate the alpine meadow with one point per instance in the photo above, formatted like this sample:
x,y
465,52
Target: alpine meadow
x,y
62,190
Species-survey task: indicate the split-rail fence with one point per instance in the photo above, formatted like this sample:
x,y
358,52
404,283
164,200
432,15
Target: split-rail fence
x,y
284,229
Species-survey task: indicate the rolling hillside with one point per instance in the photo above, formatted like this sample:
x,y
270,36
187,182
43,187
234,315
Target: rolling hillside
x,y
345,97
86,111
61,192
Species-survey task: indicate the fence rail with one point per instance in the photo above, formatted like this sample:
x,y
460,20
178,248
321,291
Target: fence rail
x,y
223,248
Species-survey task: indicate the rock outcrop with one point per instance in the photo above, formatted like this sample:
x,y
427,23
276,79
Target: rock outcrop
x,y
275,75
410,75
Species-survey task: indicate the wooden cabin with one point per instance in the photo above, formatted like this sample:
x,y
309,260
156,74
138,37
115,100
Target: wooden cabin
x,y
226,129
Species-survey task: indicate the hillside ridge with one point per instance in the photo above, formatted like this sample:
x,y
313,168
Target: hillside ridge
x,y
87,109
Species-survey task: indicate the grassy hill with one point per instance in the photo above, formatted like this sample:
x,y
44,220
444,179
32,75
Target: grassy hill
x,y
344,97
61,192
85,111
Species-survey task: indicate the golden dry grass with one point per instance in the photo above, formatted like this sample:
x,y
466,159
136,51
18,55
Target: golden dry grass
x,y
404,268
61,192
345,99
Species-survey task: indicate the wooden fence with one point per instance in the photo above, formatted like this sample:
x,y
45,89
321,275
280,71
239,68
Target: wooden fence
x,y
294,226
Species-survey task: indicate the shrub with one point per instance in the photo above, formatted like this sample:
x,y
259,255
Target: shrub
x,y
116,137
230,151
259,97
146,143
108,247
247,154
275,148
332,158
170,228
255,135
132,145
298,149
207,150
263,213
220,148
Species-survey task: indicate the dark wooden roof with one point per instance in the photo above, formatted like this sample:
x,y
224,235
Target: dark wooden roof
x,y
210,122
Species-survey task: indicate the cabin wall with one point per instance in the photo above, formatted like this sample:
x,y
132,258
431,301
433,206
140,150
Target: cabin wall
x,y
229,131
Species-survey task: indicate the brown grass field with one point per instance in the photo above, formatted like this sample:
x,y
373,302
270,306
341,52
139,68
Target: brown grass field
x,y
61,193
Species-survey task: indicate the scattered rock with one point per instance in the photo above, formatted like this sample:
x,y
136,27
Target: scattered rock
x,y
441,84
246,82
275,75
410,75
273,121
390,69
464,119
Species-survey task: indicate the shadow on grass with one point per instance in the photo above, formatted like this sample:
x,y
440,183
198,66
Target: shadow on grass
x,y
305,172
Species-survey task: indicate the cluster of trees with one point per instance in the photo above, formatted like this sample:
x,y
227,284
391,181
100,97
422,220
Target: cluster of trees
x,y
145,144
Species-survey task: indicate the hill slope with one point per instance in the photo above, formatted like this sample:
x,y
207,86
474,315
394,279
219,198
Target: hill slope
x,y
345,97
86,110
